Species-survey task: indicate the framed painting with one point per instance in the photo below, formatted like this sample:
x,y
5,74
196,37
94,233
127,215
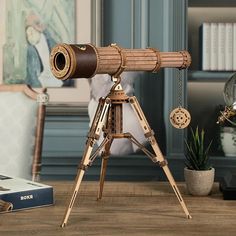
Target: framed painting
x,y
31,28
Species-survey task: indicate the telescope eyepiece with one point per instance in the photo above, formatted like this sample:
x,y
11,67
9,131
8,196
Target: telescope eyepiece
x,y
60,61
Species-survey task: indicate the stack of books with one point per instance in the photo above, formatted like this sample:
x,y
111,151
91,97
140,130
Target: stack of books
x,y
218,46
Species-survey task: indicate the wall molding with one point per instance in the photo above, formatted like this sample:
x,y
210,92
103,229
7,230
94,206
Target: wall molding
x,y
175,39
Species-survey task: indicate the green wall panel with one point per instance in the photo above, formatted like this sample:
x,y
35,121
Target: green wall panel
x,y
117,22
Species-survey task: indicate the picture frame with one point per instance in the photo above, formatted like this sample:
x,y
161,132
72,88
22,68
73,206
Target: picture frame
x,y
87,30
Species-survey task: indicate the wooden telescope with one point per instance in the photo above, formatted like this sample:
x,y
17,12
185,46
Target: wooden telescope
x,y
84,61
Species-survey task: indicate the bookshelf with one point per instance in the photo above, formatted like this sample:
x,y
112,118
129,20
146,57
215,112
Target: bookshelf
x,y
210,3
197,15
205,88
209,76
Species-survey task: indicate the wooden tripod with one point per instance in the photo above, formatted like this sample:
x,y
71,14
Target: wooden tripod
x,y
109,117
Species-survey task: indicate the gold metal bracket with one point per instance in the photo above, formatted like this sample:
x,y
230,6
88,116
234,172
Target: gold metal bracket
x,y
163,163
83,167
116,77
105,155
81,47
149,134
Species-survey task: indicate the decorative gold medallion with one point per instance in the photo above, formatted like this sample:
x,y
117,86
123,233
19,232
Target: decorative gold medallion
x,y
180,118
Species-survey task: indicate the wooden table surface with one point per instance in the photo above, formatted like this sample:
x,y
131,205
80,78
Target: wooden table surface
x,y
127,208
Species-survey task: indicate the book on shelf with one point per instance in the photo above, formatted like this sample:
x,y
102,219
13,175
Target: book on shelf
x,y
214,46
18,194
205,33
228,46
218,46
221,46
234,46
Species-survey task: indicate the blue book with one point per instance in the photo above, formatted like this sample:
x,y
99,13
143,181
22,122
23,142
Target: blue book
x,y
23,194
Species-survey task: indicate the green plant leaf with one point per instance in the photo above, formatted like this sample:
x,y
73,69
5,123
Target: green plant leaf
x,y
191,157
196,154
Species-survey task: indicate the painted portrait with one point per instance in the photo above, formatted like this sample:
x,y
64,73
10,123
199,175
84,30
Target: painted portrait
x,y
33,28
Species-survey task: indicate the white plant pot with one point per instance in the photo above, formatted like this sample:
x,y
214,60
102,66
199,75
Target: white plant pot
x,y
199,183
228,141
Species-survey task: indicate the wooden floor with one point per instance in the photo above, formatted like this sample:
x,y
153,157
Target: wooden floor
x,y
148,208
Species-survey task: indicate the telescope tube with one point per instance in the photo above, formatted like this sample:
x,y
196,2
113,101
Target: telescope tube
x,y
85,61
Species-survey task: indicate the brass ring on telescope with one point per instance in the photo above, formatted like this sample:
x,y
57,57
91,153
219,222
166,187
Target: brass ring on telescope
x,y
186,60
97,57
122,63
62,61
158,63
117,74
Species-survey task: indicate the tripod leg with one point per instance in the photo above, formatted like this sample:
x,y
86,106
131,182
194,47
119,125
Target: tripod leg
x,y
159,158
98,121
105,156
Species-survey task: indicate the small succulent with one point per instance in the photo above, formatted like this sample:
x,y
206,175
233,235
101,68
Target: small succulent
x,y
196,154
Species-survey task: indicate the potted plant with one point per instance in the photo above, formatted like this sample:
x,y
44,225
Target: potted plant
x,y
198,173
227,122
